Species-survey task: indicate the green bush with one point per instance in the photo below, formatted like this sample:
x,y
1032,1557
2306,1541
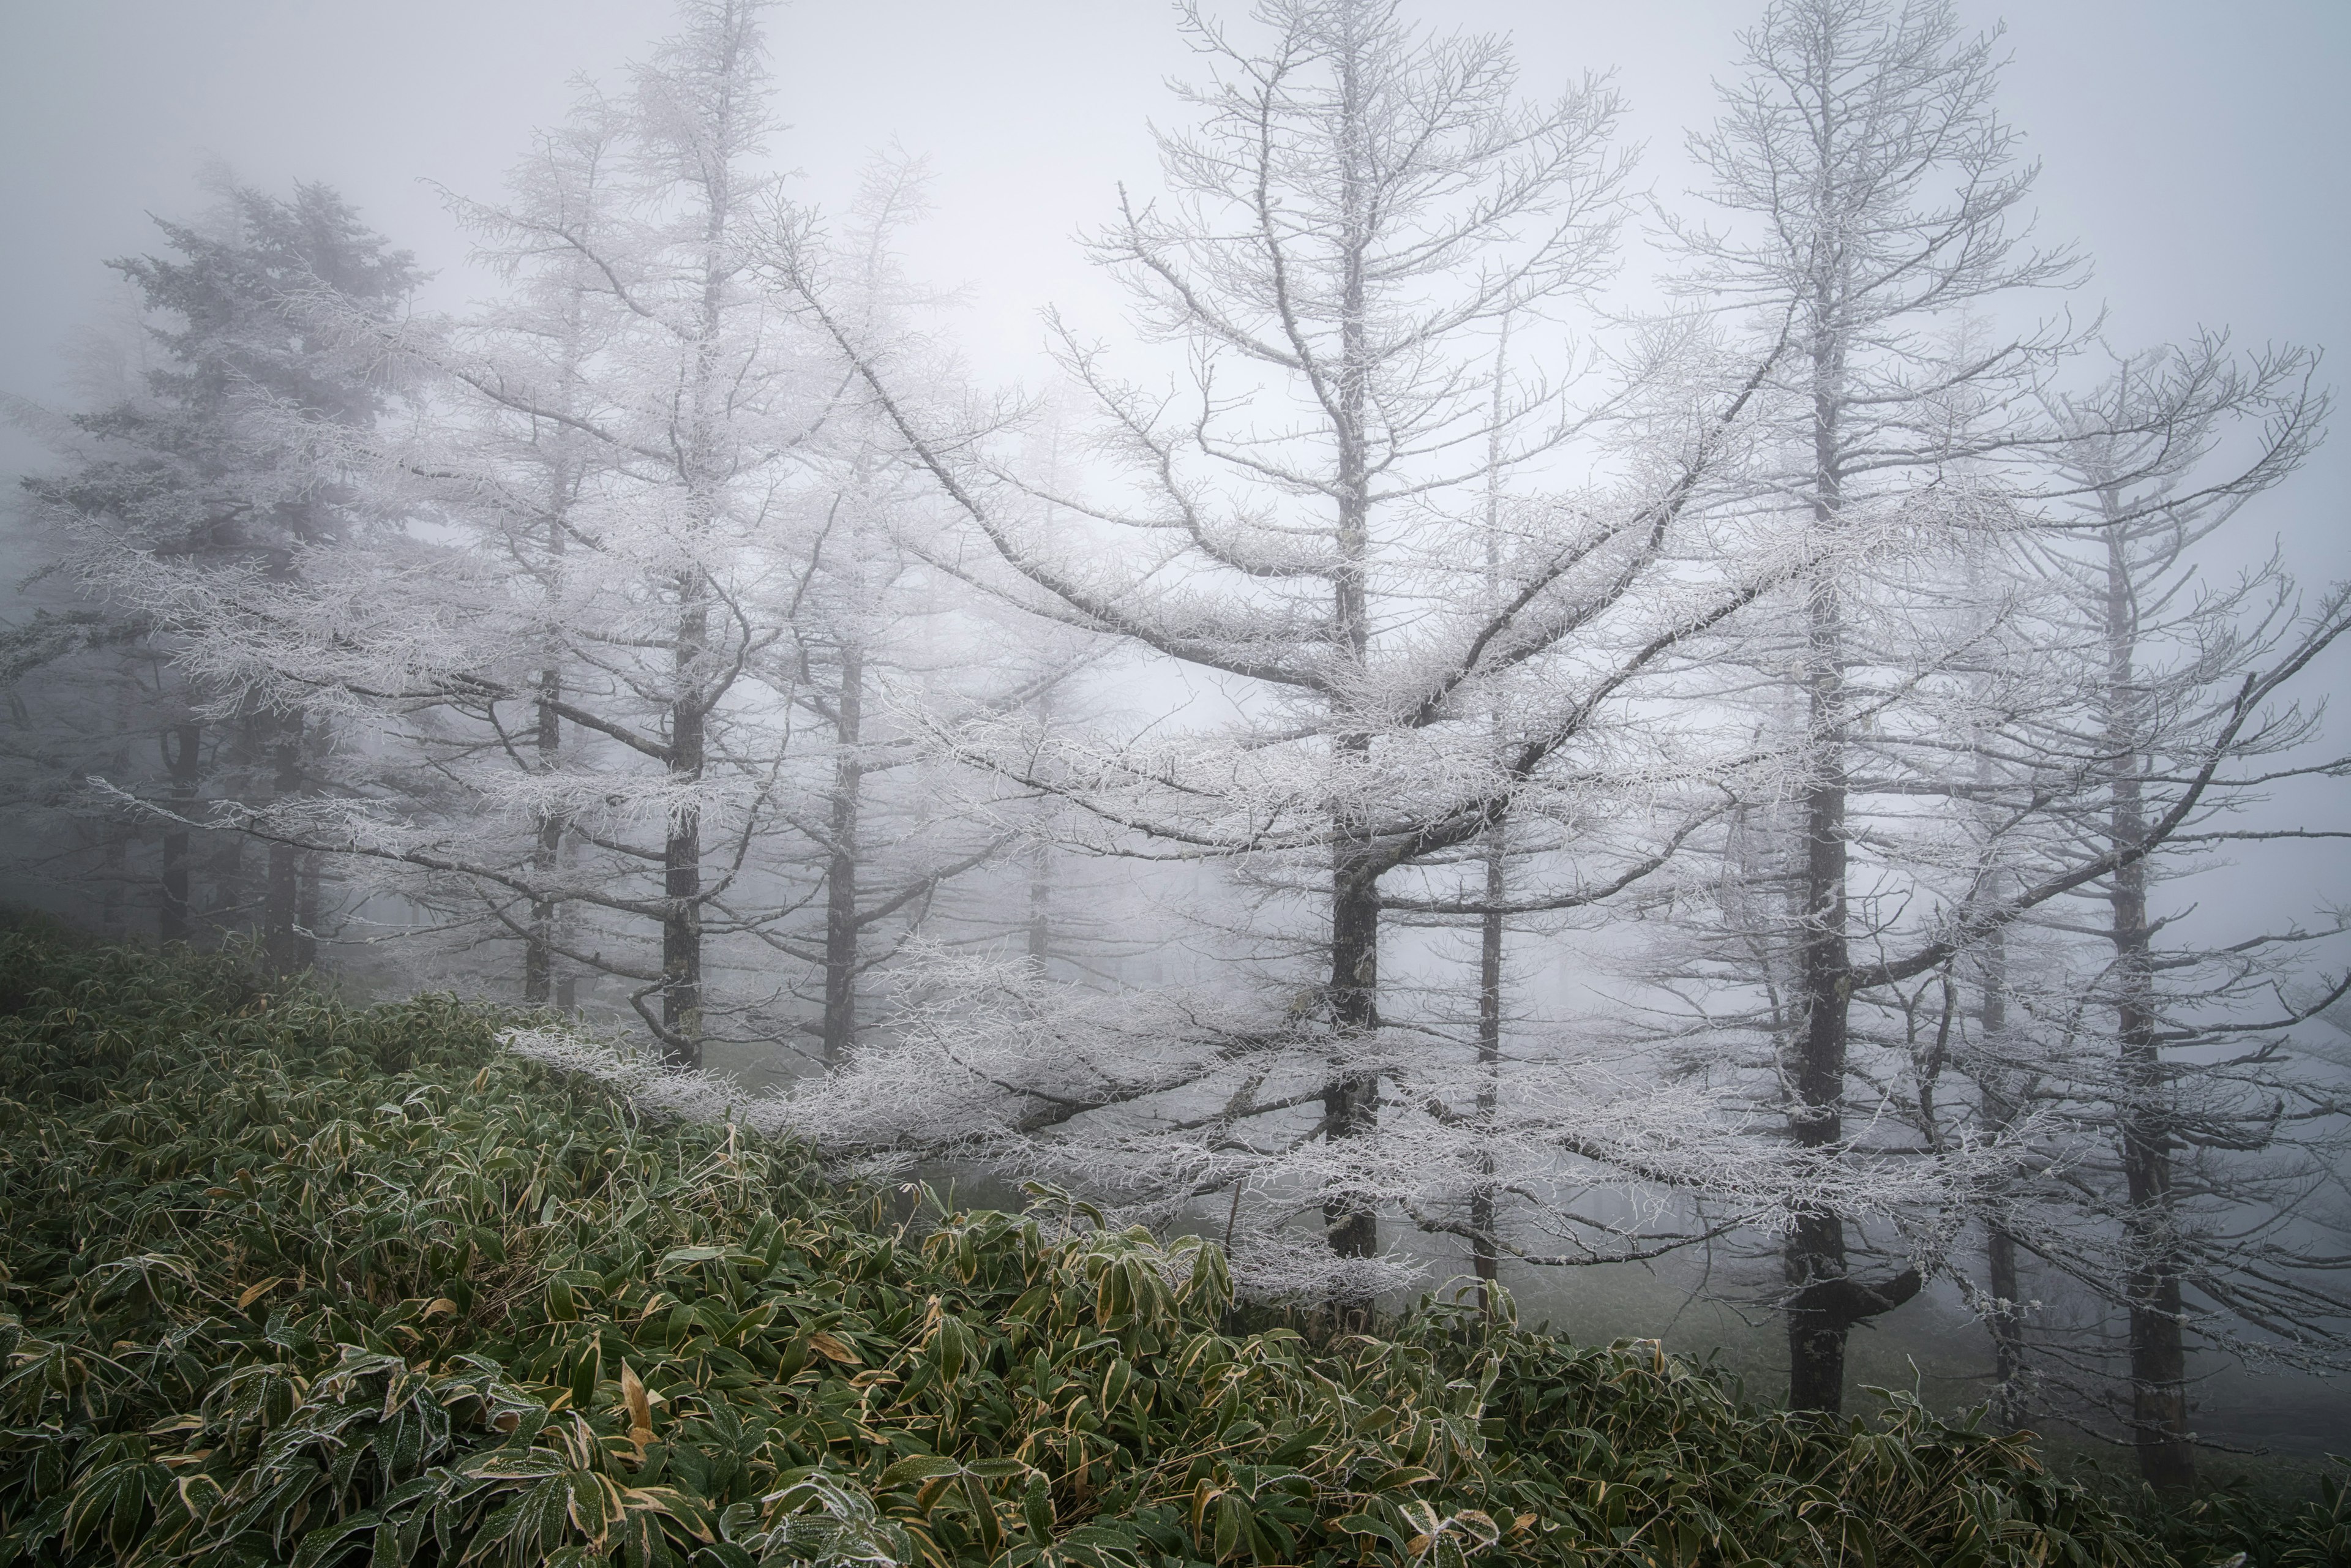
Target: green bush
x,y
2235,1525
293,1281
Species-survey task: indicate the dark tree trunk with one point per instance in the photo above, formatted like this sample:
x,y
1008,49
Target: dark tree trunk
x,y
701,467
1821,1319
1824,1302
682,851
538,950
1815,1252
1351,1099
540,982
183,765
309,901
235,905
1041,866
280,939
287,944
2159,1405
2158,1358
1816,1337
840,925
1484,1246
2158,1353
2010,1408
2009,1403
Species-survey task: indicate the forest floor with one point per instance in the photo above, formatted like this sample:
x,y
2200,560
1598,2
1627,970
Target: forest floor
x,y
284,1279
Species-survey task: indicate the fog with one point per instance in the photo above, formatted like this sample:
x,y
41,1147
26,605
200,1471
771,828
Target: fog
x,y
802,660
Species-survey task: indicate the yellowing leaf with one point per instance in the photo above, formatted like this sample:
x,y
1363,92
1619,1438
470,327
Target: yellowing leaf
x,y
253,1293
641,1409
825,1345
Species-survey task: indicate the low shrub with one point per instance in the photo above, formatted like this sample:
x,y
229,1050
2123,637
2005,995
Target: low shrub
x,y
288,1279
2240,1526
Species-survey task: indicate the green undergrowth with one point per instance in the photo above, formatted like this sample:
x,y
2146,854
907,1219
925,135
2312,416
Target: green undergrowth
x,y
289,1280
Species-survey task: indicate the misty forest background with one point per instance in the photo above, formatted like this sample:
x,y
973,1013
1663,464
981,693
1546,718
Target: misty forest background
x,y
1735,763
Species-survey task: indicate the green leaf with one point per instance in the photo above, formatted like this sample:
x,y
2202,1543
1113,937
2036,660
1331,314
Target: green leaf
x,y
995,1470
1401,1477
508,1464
1369,1524
917,1468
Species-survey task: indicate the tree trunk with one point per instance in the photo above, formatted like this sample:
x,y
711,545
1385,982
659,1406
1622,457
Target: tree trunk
x,y
1351,1100
183,748
539,982
538,950
682,850
1041,864
308,900
2009,1403
287,947
1485,1249
2158,1356
236,907
1485,1242
841,929
702,466
1814,1253
1816,1337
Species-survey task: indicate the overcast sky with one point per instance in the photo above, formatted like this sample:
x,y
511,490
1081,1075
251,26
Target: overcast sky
x,y
2199,150
2195,148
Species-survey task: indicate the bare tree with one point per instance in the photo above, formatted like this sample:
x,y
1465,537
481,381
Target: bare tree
x,y
1871,189
620,443
2197,1127
1355,216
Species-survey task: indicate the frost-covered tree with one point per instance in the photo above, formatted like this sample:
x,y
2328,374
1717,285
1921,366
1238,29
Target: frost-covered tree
x,y
203,475
641,579
2197,1122
1870,192
1302,518
619,443
694,406
1867,191
893,832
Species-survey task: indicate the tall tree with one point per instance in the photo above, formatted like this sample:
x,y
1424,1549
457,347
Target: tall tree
x,y
875,628
1872,189
208,472
2196,1124
1356,212
624,438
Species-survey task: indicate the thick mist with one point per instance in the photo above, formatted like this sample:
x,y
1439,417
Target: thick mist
x,y
1673,661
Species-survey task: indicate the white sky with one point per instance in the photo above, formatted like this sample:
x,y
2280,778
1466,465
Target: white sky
x,y
2198,148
